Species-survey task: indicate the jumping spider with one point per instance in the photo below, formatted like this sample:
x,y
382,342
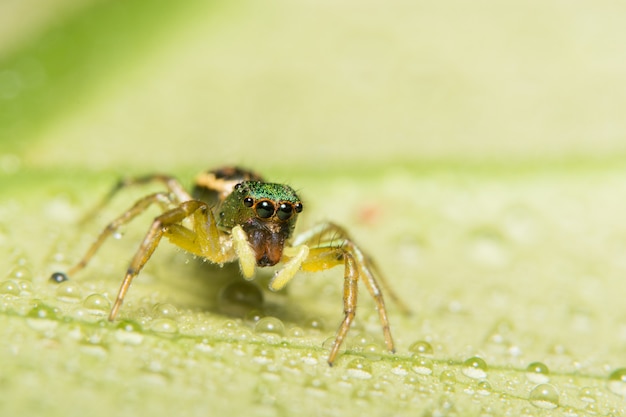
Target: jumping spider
x,y
233,214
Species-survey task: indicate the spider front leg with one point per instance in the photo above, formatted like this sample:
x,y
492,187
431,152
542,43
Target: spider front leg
x,y
332,247
204,239
139,207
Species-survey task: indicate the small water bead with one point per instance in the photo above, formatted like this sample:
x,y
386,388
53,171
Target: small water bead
x,y
239,298
544,396
421,348
587,394
263,355
128,332
295,331
422,366
165,311
20,272
484,388
538,373
97,304
617,382
448,379
68,292
10,287
475,368
270,325
165,327
359,368
42,318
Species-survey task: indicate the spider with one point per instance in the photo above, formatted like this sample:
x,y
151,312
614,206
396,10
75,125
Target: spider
x,y
233,214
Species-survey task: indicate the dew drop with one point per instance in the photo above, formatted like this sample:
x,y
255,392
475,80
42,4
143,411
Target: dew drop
x,y
544,396
296,331
10,287
165,327
484,388
270,325
42,311
587,395
538,373
165,311
448,377
97,304
400,369
239,298
42,318
68,292
263,355
20,272
422,366
128,332
617,382
421,348
475,368
359,369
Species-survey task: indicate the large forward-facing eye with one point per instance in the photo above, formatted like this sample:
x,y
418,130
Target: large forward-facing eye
x,y
285,210
265,209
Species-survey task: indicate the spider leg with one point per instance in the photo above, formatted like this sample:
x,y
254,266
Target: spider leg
x,y
139,207
203,240
331,245
173,186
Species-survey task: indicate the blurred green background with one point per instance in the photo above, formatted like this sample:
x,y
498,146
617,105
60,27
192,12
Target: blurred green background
x,y
476,150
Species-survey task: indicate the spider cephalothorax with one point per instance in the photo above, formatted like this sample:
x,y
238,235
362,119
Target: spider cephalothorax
x,y
233,215
266,212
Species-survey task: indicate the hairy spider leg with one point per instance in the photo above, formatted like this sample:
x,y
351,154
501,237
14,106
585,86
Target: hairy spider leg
x,y
172,184
203,240
329,233
331,246
139,207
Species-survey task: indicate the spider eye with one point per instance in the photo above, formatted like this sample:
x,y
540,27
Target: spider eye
x,y
284,211
298,207
265,209
248,201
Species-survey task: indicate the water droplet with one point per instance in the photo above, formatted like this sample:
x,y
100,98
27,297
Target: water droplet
x,y
448,377
359,368
97,304
421,348
42,318
263,355
587,395
617,382
165,311
239,298
42,311
20,272
400,369
316,323
10,287
475,368
544,396
129,332
270,325
68,292
295,331
165,327
538,373
422,366
483,388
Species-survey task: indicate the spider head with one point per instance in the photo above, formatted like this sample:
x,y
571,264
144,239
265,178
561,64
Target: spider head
x,y
267,212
